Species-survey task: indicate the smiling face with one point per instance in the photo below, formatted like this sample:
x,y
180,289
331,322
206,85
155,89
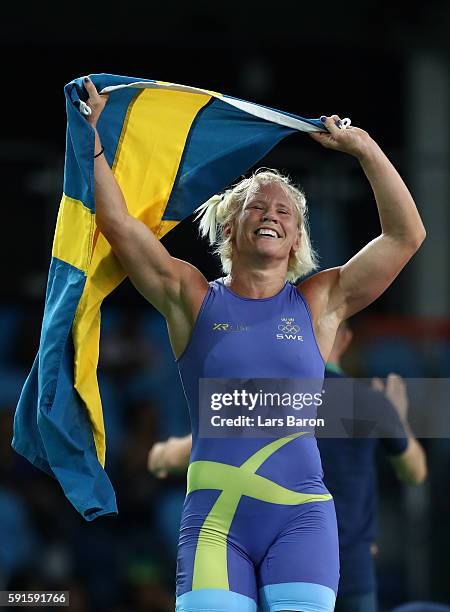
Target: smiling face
x,y
268,224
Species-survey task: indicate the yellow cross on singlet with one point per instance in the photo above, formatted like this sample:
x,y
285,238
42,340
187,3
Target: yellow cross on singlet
x,y
210,565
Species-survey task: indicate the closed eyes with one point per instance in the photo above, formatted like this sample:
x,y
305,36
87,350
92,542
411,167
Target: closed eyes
x,y
260,207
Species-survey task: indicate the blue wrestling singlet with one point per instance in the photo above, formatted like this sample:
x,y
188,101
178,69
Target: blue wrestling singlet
x,y
258,526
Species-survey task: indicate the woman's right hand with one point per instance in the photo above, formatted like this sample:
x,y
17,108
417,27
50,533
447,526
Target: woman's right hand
x,y
96,101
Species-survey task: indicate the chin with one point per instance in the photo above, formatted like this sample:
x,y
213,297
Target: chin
x,y
267,246
268,251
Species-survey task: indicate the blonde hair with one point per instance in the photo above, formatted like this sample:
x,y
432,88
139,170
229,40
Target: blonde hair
x,y
224,208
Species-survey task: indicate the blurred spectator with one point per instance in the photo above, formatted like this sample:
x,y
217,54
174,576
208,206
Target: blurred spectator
x,y
422,606
18,541
124,351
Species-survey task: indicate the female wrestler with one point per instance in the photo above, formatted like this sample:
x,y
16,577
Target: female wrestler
x,y
256,529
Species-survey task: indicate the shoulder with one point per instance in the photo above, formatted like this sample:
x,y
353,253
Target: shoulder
x,y
316,288
192,281
193,288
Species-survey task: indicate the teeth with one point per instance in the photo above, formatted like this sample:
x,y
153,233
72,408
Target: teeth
x,y
267,232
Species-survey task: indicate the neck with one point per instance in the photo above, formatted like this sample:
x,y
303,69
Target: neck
x,y
255,284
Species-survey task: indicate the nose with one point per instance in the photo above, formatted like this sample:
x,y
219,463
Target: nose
x,y
269,216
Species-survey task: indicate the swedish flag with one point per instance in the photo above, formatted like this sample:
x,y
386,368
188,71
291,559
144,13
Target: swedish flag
x,y
171,147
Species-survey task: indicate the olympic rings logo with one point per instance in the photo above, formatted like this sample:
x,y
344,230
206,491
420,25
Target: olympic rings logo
x,y
288,328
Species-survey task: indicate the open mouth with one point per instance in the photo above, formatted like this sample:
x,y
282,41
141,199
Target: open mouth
x,y
266,233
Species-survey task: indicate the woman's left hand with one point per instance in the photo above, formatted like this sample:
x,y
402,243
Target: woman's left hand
x,y
351,140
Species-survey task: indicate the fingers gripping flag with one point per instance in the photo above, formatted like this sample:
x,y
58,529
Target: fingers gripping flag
x,y
171,148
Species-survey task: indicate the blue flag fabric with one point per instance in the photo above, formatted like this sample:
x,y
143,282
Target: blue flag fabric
x,y
171,147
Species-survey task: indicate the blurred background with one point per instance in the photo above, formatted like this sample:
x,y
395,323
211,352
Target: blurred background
x,y
383,64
